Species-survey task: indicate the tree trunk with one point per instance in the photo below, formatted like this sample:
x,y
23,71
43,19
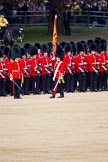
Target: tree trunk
x,y
56,6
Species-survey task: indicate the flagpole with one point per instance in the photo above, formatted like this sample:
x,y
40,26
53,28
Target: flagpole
x,y
55,36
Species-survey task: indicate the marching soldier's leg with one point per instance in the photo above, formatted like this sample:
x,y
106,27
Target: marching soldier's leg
x,y
61,90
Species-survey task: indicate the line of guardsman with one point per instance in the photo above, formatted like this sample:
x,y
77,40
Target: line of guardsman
x,y
31,69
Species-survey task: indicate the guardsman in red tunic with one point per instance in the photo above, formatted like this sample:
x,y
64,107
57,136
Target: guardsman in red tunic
x,y
35,71
103,67
2,76
58,73
15,71
80,67
93,67
69,69
46,69
25,66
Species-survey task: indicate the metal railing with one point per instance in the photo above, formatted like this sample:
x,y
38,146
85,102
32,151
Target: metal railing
x,y
90,19
85,18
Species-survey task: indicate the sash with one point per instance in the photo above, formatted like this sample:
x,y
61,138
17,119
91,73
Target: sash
x,y
56,70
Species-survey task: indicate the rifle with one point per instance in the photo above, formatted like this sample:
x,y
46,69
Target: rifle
x,y
71,67
82,69
27,69
1,74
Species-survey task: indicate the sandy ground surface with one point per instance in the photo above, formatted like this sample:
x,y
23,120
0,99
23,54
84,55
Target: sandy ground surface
x,y
39,129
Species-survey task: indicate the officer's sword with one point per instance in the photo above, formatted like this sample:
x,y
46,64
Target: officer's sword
x,y
16,85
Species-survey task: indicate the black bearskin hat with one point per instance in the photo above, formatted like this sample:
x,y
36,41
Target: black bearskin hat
x,y
93,47
73,47
68,48
45,48
89,42
59,53
50,45
15,52
85,46
23,52
33,51
80,47
102,46
63,44
37,45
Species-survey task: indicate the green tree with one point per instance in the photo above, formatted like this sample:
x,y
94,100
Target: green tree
x,y
56,6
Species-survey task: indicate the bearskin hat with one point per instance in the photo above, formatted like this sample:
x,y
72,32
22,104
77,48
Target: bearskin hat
x,y
73,47
103,41
45,48
80,47
68,48
93,47
37,45
27,45
50,45
63,44
89,42
60,53
33,51
102,46
85,46
15,52
23,52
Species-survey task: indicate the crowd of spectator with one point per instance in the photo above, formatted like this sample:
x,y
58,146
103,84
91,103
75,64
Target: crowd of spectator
x,y
17,7
11,7
91,5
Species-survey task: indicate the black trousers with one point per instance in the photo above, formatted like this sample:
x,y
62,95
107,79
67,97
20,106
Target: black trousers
x,y
93,81
16,88
46,83
69,82
25,85
82,81
59,88
103,80
35,80
2,87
